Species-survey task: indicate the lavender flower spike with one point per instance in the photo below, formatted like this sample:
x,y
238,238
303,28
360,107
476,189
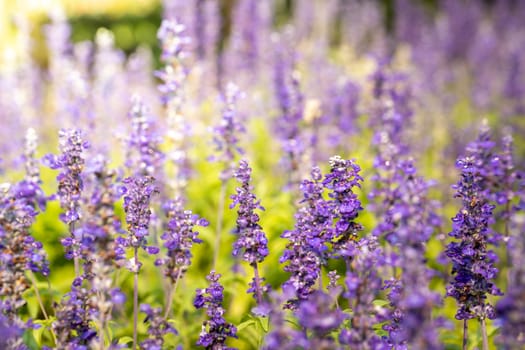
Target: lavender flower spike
x,y
345,206
70,185
511,309
473,264
306,251
215,330
178,237
251,241
158,328
226,133
144,156
139,191
138,217
175,47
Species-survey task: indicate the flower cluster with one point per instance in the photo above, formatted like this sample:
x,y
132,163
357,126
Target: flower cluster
x,y
139,191
290,101
343,203
216,329
70,184
19,251
305,253
511,309
409,224
473,263
251,241
73,327
179,237
174,43
144,154
226,134
363,283
157,329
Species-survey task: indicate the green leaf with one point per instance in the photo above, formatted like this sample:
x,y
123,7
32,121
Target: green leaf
x,y
125,340
30,340
245,324
381,303
263,321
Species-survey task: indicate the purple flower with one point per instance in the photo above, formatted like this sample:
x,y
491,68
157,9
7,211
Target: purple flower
x,y
19,251
473,263
174,43
319,315
251,241
226,134
411,220
144,155
179,236
363,284
343,204
70,183
158,327
139,191
290,102
306,251
101,225
11,333
73,326
511,309
215,330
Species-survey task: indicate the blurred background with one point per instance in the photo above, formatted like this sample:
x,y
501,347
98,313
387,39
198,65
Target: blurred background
x,y
134,22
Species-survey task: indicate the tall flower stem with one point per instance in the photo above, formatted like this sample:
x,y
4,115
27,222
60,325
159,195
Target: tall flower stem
x,y
173,289
75,257
220,215
135,300
41,304
465,334
257,282
484,334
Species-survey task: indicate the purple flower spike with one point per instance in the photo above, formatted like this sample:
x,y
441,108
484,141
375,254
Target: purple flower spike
x,y
511,309
306,251
215,330
226,136
175,48
158,327
144,155
473,263
344,204
138,216
73,326
179,236
71,162
251,242
19,251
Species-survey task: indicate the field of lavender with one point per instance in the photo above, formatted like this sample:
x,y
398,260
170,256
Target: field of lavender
x,y
299,174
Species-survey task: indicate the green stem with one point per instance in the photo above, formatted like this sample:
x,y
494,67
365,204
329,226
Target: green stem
x,y
465,334
173,289
135,301
220,214
75,257
41,304
258,293
484,334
